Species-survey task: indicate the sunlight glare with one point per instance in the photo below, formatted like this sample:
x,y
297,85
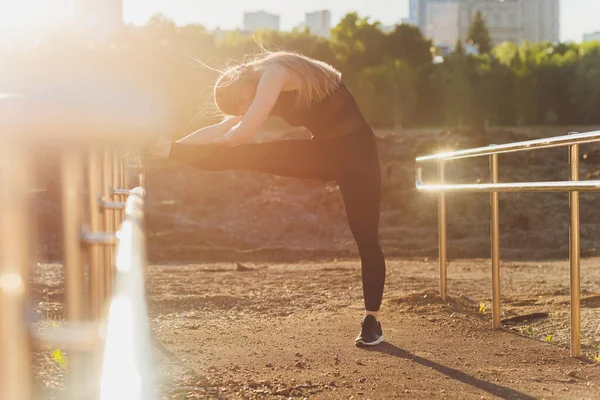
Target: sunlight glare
x,y
31,14
11,283
125,254
121,378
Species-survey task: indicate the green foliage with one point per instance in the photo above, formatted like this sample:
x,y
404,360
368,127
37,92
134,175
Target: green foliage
x,y
456,81
358,43
459,48
528,330
58,357
392,84
392,74
479,34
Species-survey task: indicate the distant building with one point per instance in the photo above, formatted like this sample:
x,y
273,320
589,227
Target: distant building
x,y
417,12
220,34
260,20
514,21
592,37
101,18
414,8
319,23
441,23
507,20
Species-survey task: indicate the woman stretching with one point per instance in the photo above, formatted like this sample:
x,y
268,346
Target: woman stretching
x,y
309,93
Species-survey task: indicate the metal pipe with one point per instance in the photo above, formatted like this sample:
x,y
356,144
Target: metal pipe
x,y
72,183
137,191
128,370
111,205
566,186
545,143
99,238
96,276
120,192
107,223
442,232
574,253
495,244
141,173
127,161
15,368
122,175
574,186
114,184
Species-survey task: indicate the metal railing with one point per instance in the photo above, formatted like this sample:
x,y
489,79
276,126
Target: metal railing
x,y
105,334
573,186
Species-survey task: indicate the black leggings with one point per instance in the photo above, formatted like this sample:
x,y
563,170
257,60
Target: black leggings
x,y
352,161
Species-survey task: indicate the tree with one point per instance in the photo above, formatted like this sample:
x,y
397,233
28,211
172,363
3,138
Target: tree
x,y
387,93
457,79
479,34
357,43
459,48
585,92
162,24
406,43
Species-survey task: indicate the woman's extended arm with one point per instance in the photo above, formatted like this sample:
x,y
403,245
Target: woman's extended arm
x,y
209,133
270,85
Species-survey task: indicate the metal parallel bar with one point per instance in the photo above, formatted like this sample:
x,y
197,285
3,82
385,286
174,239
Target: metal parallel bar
x,y
99,238
75,335
137,191
573,186
574,253
122,176
442,233
15,370
125,162
96,273
116,160
566,186
141,174
107,223
72,184
128,345
111,205
120,192
495,244
134,165
557,141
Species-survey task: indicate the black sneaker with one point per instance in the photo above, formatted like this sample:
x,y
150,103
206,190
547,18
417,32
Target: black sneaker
x,y
370,332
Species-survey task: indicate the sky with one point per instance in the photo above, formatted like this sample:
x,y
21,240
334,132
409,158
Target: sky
x,y
577,16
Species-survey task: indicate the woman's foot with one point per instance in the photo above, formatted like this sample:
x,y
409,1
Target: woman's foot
x,y
370,332
161,148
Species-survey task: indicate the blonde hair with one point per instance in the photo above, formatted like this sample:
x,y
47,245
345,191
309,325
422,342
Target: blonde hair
x,y
317,79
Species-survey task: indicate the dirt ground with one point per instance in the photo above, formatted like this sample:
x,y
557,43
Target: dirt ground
x,y
266,330
286,330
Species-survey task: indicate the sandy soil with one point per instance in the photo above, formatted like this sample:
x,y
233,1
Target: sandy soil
x,y
286,330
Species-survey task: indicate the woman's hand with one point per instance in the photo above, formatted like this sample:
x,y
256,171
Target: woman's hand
x,y
231,138
269,87
207,134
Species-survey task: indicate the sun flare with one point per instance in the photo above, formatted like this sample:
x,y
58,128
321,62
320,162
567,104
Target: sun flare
x,y
32,14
